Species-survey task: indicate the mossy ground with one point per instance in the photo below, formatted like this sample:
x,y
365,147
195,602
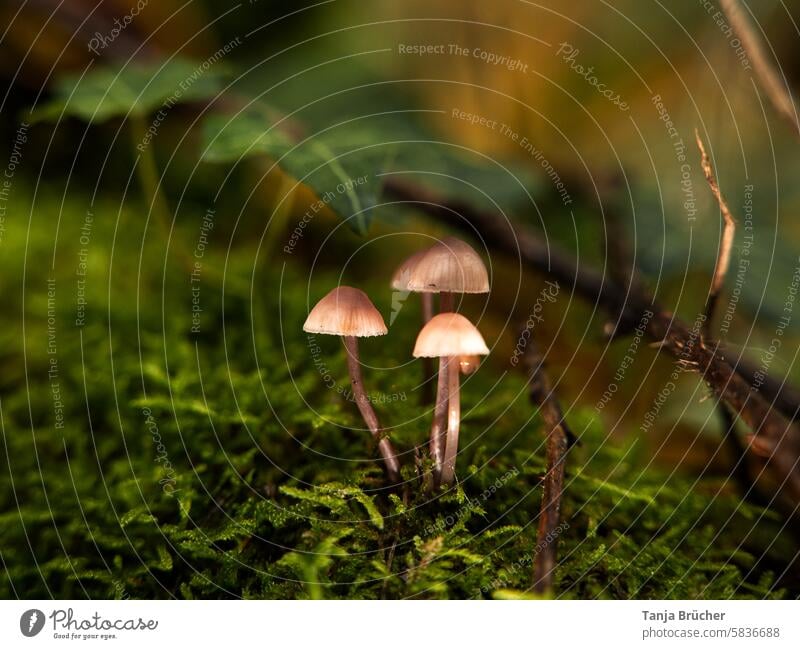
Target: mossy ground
x,y
263,485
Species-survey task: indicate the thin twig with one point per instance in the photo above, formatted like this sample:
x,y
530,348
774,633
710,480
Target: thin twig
x,y
558,436
729,434
725,244
767,76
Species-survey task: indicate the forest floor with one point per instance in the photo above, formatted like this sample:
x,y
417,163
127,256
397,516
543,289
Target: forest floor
x,y
147,461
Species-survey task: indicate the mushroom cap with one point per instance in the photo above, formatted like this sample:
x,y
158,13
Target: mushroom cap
x,y
449,334
403,273
450,266
345,311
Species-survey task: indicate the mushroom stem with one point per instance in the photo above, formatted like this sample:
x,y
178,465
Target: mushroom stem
x,y
427,307
446,302
427,363
439,426
367,412
453,424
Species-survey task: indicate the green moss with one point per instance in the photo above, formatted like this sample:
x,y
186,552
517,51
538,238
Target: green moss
x,y
219,465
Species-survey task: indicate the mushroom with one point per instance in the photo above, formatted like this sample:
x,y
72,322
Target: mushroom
x,y
349,313
450,266
448,336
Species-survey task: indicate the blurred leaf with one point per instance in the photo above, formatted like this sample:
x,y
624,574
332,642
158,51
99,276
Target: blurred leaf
x,y
343,162
134,89
340,163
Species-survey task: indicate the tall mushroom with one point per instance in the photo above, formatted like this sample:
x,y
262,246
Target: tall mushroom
x,y
450,266
448,336
349,313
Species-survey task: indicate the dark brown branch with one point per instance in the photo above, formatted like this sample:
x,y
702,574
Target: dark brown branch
x,y
767,76
725,244
734,385
558,435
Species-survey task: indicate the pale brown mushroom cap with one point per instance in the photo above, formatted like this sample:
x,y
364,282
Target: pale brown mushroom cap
x,y
450,266
403,273
345,311
449,334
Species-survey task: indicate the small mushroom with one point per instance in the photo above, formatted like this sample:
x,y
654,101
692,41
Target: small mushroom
x,y
450,266
448,336
349,313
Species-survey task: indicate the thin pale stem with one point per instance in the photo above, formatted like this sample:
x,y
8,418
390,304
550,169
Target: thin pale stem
x,y
367,412
446,302
284,189
439,426
147,172
453,423
427,363
427,307
151,186
725,244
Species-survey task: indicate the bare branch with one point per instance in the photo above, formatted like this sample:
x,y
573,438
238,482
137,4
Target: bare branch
x,y
725,244
558,436
767,76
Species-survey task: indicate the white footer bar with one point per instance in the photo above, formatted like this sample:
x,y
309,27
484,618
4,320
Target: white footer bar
x,y
390,624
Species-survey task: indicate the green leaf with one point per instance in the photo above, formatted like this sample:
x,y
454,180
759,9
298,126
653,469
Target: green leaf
x,y
341,163
135,89
344,162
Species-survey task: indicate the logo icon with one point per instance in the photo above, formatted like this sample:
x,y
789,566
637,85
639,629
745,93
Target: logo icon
x,y
31,622
398,299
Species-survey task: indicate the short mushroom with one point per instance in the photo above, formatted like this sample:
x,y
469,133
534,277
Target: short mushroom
x,y
349,313
448,336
